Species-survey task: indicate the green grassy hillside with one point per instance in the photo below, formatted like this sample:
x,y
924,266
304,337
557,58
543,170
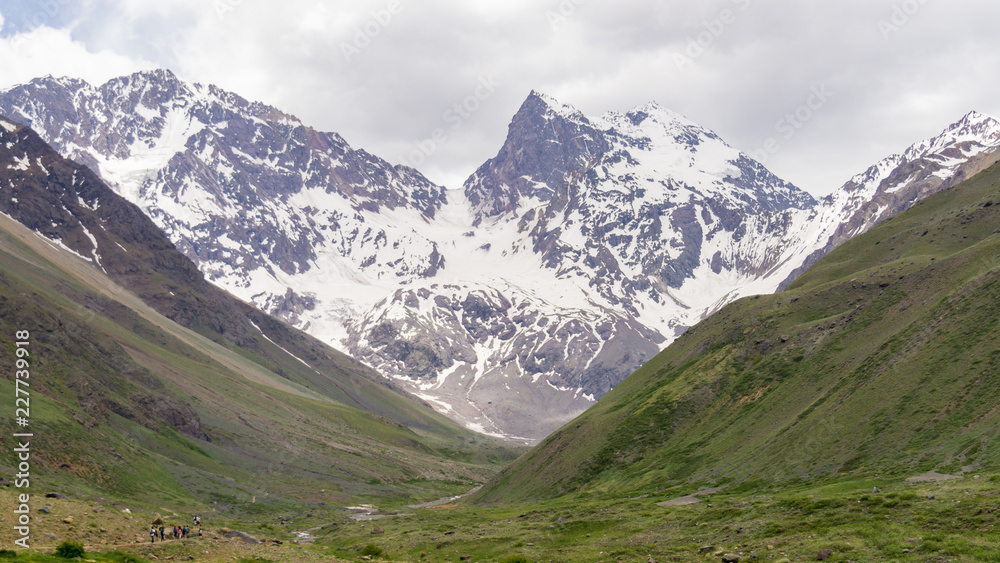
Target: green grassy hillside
x,y
884,358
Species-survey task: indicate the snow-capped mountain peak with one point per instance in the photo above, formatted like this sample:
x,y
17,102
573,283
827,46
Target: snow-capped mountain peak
x,y
562,264
546,105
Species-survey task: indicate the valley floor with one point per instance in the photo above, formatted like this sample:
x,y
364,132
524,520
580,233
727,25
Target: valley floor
x,y
906,520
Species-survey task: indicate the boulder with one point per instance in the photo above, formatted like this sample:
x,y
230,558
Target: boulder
x,y
246,538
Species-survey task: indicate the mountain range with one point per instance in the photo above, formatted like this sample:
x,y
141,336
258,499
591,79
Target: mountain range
x,y
880,360
150,384
512,304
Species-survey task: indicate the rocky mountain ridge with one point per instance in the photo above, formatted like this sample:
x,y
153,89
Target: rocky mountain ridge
x,y
585,246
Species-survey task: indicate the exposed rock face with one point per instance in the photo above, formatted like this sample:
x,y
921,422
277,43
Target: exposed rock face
x,y
632,202
487,344
242,536
249,193
565,262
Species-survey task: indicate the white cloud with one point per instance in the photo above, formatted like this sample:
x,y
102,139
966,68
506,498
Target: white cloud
x,y
416,59
44,50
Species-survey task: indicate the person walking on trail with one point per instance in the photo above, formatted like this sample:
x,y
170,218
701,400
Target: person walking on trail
x,y
162,534
152,534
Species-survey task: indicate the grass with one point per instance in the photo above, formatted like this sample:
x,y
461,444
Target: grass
x,y
900,523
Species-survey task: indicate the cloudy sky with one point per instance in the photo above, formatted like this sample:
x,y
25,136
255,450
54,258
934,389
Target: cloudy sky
x,y
834,86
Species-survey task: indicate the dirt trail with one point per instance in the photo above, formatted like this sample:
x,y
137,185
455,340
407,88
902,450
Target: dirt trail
x,y
444,501
932,476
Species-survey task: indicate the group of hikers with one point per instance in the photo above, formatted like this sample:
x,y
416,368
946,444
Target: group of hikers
x,y
157,529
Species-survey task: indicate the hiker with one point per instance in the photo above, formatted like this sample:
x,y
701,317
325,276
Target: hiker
x,y
199,531
162,535
152,534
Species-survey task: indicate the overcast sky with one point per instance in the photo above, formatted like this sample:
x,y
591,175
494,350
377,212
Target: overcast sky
x,y
835,86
